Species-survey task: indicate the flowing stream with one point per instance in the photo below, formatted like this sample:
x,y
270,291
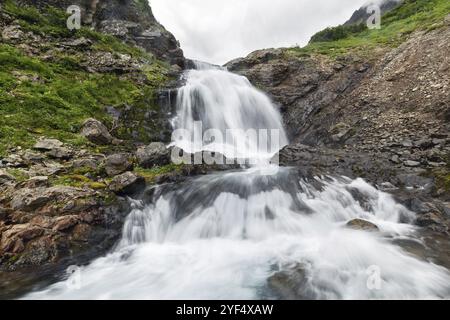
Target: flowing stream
x,y
244,234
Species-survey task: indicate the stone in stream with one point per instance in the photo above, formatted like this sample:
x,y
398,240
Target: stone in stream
x,y
291,284
360,224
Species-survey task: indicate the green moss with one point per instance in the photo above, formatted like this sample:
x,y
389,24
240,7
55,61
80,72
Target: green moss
x,y
18,174
150,175
396,25
77,181
53,97
51,21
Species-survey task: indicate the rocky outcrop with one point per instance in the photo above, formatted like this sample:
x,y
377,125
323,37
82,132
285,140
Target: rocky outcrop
x,y
127,183
152,155
384,103
129,20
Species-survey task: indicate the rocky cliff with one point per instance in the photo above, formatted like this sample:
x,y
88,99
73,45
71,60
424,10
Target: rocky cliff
x,y
129,20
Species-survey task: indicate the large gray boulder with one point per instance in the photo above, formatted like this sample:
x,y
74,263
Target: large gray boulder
x,y
118,163
47,144
155,154
96,132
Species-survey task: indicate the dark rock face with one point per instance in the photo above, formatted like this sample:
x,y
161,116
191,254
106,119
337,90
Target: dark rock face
x,y
127,184
129,20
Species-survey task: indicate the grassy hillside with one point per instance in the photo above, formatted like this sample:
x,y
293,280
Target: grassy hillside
x,y
49,91
396,25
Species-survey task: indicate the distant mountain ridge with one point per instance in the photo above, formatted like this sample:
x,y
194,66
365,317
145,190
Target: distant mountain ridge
x,y
361,15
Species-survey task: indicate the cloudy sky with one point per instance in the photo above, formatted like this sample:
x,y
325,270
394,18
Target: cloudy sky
x,y
217,31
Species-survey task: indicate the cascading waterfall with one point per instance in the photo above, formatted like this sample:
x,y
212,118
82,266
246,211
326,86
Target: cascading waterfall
x,y
227,103
228,235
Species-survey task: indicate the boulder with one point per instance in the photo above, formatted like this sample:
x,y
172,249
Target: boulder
x,y
118,163
47,144
291,284
36,182
62,153
127,184
364,225
5,177
155,154
96,132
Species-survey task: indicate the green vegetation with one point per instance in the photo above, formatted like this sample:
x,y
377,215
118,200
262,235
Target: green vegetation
x,y
396,25
150,175
337,33
77,181
51,94
18,174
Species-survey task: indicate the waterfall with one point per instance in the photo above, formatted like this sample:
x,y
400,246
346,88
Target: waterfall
x,y
228,235
228,104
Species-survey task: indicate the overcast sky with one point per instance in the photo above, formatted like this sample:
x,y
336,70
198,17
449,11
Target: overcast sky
x,y
218,31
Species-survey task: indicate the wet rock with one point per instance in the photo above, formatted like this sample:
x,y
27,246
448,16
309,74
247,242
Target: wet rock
x,y
48,144
432,220
118,163
291,284
155,154
96,132
416,181
360,224
127,184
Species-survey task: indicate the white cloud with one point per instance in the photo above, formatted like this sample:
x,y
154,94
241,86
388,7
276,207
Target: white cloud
x,y
217,31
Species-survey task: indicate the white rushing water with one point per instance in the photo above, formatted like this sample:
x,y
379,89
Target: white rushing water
x,y
225,235
228,104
